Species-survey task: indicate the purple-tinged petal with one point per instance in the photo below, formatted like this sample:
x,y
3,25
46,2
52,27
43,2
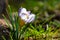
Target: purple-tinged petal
x,y
31,18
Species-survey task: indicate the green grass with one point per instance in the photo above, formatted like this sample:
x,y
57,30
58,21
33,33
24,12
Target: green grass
x,y
32,29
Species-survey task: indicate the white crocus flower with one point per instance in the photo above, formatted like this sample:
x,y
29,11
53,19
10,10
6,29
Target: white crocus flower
x,y
26,15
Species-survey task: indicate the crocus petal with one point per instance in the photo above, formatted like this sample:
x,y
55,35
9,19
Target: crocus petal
x,y
21,10
24,11
23,17
31,18
26,16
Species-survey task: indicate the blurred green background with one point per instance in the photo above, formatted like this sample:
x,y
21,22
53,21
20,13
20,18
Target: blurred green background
x,y
47,22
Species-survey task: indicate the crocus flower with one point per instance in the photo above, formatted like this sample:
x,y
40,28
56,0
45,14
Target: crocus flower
x,y
26,16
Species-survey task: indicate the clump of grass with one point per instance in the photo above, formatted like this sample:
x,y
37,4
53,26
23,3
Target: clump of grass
x,y
15,32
